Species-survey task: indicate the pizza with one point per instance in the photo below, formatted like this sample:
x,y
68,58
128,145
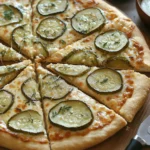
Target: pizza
x,y
69,73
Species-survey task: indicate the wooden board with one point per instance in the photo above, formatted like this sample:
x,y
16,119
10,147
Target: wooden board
x,y
120,140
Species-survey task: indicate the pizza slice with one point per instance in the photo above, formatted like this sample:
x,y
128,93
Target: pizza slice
x,y
111,48
60,23
9,72
73,119
123,91
9,54
21,116
15,24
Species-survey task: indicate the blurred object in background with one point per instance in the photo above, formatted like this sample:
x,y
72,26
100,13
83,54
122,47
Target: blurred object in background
x,y
145,5
143,8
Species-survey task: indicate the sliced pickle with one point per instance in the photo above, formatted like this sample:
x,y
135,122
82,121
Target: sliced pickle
x,y
51,28
41,49
81,57
14,67
6,78
30,90
21,37
71,114
6,101
70,70
29,121
105,80
9,15
111,41
9,54
88,20
48,7
53,87
118,63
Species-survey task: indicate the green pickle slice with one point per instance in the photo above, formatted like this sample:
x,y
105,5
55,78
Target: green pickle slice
x,y
111,41
49,7
88,20
70,70
81,57
9,15
118,63
40,48
30,90
51,28
52,87
21,36
6,101
28,121
71,114
105,80
11,68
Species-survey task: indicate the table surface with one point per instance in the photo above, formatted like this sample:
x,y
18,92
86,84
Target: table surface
x,y
120,140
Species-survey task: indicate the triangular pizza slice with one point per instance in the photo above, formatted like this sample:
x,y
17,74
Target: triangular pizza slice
x,y
123,91
9,54
9,72
16,27
111,48
73,119
21,116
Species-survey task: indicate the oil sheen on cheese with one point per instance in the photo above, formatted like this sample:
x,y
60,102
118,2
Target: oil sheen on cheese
x,y
145,5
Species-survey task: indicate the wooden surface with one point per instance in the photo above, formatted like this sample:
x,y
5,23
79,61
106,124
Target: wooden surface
x,y
122,138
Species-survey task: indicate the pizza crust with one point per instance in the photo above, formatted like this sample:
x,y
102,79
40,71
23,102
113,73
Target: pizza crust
x,y
137,35
106,6
91,139
133,104
15,143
